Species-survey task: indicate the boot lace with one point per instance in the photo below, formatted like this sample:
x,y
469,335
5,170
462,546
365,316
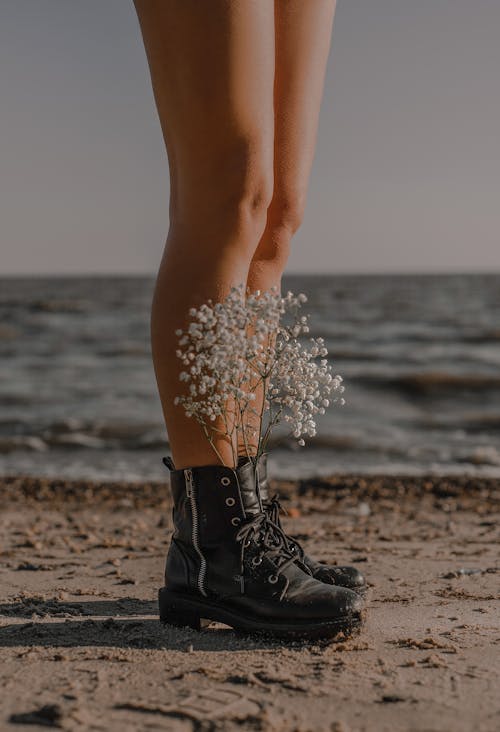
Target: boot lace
x,y
274,508
271,540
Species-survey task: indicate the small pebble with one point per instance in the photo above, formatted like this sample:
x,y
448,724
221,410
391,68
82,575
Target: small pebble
x,y
364,509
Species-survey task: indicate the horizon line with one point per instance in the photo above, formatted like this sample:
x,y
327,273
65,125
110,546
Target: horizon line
x,y
292,273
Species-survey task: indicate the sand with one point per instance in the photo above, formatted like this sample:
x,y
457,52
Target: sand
x,y
81,647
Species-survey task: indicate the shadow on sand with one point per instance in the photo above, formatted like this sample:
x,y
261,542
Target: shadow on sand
x,y
115,631
125,606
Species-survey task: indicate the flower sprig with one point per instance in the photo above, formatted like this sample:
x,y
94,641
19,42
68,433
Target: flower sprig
x,y
248,343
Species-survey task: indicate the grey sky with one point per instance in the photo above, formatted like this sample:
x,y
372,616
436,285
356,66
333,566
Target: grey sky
x,y
407,170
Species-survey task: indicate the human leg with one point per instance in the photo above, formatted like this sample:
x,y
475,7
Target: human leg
x,y
302,32
212,71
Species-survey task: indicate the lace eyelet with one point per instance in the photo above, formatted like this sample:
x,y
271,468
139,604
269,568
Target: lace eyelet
x,y
225,480
236,521
256,561
272,579
230,501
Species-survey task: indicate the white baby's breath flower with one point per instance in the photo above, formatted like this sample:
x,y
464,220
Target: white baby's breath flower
x,y
250,339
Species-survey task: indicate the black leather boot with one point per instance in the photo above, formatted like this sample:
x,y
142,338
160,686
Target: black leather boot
x,y
330,574
228,562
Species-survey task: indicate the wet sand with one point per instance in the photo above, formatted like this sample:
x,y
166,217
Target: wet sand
x,y
81,647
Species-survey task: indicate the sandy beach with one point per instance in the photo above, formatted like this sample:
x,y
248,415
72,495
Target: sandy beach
x,y
81,647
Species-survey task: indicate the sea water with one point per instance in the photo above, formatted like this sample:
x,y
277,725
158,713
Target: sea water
x,y
420,358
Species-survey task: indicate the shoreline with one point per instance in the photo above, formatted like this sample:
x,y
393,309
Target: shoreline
x,y
157,493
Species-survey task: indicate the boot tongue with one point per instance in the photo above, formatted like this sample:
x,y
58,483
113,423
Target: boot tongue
x,y
248,491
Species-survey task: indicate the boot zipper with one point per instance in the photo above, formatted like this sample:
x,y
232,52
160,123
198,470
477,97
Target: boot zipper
x,y
188,476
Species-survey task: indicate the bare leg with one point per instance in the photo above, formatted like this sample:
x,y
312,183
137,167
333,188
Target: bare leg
x,y
212,70
303,33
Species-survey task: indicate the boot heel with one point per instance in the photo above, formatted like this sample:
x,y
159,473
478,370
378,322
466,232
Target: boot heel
x,y
175,612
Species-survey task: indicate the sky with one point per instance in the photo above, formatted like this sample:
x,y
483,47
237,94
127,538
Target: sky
x,y
406,176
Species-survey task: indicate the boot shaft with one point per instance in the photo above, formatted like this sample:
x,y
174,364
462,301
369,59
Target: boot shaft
x,y
212,500
211,503
260,468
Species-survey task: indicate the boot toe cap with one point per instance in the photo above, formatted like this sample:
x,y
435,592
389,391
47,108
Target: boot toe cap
x,y
348,600
340,602
321,600
349,577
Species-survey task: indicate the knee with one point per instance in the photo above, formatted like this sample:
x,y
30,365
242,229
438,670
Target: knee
x,y
242,175
286,211
247,184
230,186
284,217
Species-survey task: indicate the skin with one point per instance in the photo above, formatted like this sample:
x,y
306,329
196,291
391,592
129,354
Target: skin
x,y
238,87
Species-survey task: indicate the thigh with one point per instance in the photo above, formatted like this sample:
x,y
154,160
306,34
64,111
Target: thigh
x,y
303,33
212,72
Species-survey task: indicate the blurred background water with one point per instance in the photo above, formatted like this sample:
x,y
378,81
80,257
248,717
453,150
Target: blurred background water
x,y
420,358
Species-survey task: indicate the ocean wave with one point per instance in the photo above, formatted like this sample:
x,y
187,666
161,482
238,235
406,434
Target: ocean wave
x,y
18,400
132,349
480,336
79,433
45,305
75,439
421,383
58,306
22,442
8,333
480,422
347,355
401,334
336,442
482,455
348,443
468,422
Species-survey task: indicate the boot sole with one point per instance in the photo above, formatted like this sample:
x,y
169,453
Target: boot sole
x,y
197,613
